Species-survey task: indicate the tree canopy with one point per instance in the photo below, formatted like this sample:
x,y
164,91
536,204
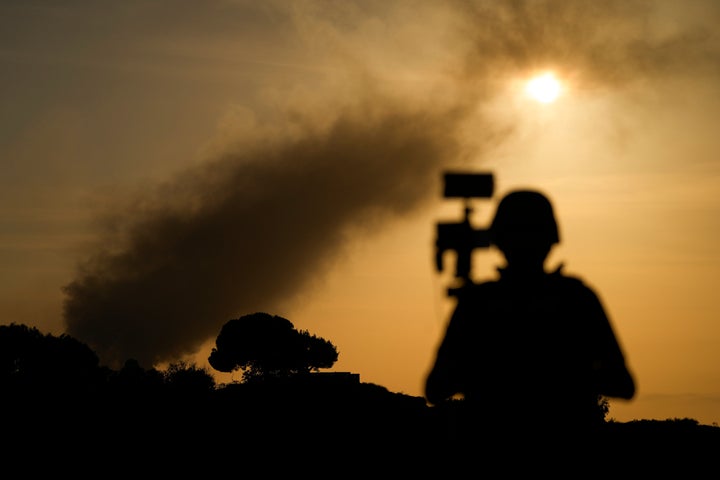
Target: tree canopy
x,y
264,346
29,358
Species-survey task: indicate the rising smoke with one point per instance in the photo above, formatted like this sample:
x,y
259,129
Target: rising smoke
x,y
255,228
262,221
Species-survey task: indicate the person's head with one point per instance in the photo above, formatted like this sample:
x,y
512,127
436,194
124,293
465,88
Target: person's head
x,y
524,228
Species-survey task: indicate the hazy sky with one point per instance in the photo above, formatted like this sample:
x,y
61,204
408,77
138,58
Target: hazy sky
x,y
166,166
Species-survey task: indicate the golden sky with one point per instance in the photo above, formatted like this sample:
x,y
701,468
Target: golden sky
x,y
166,166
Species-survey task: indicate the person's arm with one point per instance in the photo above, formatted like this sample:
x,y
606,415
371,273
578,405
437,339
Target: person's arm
x,y
444,380
612,375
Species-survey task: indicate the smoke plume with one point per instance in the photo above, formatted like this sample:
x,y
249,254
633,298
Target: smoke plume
x,y
247,232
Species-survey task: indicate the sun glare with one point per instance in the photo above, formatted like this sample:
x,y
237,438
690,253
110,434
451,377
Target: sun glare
x,y
544,88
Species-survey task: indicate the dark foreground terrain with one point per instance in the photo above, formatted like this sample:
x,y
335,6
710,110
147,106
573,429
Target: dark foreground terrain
x,y
324,431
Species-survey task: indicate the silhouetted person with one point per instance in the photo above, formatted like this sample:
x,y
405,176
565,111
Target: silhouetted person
x,y
532,351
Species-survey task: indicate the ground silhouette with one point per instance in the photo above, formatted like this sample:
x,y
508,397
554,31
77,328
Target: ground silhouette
x,y
85,419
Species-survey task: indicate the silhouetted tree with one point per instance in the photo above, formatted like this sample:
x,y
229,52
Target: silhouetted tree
x,y
31,360
133,380
188,378
268,346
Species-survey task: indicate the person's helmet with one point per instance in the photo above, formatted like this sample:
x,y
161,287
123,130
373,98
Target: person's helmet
x,y
527,214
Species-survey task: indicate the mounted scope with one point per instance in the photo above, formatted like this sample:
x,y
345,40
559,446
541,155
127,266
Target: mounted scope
x,y
461,237
468,185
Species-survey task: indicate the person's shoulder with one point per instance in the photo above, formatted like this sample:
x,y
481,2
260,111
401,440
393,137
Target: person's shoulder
x,y
571,284
559,277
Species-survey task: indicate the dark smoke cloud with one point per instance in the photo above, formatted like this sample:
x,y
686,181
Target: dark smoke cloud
x,y
252,229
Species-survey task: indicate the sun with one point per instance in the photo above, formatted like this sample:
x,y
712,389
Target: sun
x,y
544,88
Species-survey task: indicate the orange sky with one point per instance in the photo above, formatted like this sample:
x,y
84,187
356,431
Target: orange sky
x,y
206,160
